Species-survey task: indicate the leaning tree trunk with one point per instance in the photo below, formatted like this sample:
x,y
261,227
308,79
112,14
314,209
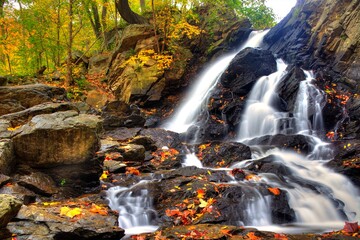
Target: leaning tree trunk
x,y
127,14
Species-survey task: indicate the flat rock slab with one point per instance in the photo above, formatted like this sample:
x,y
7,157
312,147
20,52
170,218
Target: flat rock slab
x,y
50,221
18,98
20,118
57,139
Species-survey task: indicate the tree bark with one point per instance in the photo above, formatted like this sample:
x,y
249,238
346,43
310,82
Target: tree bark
x,y
127,14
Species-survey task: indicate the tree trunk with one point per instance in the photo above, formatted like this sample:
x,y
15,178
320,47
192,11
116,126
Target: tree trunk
x,y
155,27
142,5
127,14
69,78
104,24
58,28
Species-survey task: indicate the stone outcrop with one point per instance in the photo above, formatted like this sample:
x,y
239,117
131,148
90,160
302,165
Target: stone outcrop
x,y
319,35
57,139
18,98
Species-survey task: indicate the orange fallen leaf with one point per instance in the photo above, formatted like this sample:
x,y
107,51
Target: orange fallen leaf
x,y
97,209
252,236
275,191
200,193
132,170
280,236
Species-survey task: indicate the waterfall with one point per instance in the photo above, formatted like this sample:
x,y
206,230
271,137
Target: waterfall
x,y
187,113
317,194
134,205
260,117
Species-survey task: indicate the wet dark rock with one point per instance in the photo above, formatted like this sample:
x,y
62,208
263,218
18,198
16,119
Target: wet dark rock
x,y
347,159
123,134
7,160
57,139
311,35
18,98
39,183
9,207
132,152
270,165
299,143
289,86
222,154
212,130
162,137
247,66
351,125
20,118
119,114
147,142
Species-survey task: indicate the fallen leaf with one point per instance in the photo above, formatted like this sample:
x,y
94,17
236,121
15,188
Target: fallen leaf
x,y
252,236
97,209
203,203
200,193
275,191
70,212
351,227
104,175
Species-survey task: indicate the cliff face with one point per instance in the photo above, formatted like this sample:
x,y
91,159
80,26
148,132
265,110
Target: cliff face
x,y
322,35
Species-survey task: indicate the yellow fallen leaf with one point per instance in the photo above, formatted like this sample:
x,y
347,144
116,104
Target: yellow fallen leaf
x,y
50,203
104,175
71,213
13,128
203,203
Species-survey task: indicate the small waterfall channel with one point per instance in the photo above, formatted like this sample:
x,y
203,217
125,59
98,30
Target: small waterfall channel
x,y
321,199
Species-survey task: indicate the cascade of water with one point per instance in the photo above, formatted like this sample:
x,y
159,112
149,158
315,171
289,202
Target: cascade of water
x,y
316,194
134,205
310,101
188,111
260,117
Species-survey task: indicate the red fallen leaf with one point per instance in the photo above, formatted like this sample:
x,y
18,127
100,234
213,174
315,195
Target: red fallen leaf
x,y
280,236
351,227
330,135
274,191
172,212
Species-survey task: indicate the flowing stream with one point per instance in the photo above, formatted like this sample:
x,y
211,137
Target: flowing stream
x,y
321,199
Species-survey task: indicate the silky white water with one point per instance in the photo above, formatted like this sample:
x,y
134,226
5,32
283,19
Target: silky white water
x,y
134,205
319,196
186,114
260,117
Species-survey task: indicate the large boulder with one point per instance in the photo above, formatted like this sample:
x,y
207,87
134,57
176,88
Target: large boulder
x,y
247,66
7,161
15,99
57,139
9,207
